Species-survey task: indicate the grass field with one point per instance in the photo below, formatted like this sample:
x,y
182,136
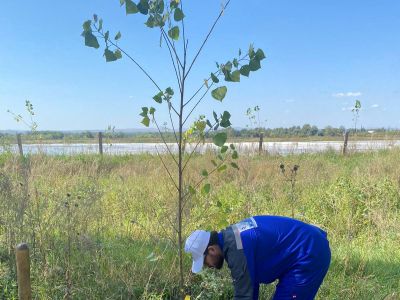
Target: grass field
x,y
101,227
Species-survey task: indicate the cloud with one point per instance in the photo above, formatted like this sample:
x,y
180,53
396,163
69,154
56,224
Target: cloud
x,y
374,105
348,94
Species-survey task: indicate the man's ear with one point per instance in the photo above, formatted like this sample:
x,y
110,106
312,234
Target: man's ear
x,y
212,249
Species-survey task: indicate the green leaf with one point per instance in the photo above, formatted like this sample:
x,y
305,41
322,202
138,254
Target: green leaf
x,y
206,188
245,70
235,155
118,54
219,93
204,173
178,15
260,55
174,33
87,26
254,64
130,7
240,52
209,123
228,76
232,146
110,56
158,97
235,63
146,121
224,149
225,120
95,18
143,7
91,40
220,157
106,36
214,78
214,163
215,116
228,66
222,168
150,22
121,2
173,4
152,111
235,76
220,138
251,51
144,112
118,36
169,91
234,165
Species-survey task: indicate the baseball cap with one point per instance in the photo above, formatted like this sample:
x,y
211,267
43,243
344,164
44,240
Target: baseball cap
x,y
196,244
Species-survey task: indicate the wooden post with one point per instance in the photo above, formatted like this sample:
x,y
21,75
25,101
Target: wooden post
x,y
346,138
19,141
260,143
101,143
23,272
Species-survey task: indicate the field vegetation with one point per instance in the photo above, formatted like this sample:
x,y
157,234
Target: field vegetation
x,y
100,227
294,133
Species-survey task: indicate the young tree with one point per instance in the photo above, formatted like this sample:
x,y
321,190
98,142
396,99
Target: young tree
x,y
356,113
168,17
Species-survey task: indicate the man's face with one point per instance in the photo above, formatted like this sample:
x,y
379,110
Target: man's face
x,y
214,257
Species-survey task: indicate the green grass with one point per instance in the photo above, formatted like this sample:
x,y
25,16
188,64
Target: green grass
x,y
106,221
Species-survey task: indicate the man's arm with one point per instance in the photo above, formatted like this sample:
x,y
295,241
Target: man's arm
x,y
237,263
240,275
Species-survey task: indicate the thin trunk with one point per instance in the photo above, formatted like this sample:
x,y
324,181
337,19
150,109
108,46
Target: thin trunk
x,y
180,192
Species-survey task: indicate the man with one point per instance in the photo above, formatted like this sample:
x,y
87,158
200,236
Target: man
x,y
262,249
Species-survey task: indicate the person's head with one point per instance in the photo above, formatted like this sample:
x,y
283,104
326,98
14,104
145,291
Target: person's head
x,y
204,247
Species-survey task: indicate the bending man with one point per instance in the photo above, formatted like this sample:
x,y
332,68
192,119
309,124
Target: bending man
x,y
262,249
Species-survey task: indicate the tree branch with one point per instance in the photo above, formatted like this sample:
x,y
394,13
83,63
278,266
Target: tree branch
x,y
178,74
205,40
165,167
165,143
130,57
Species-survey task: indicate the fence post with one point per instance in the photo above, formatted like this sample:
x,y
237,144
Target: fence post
x,y
23,272
346,138
101,143
19,141
260,143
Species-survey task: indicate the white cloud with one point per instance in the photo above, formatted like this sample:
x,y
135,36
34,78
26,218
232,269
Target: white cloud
x,y
374,105
348,94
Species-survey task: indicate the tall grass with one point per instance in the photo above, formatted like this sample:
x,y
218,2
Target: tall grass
x,y
100,227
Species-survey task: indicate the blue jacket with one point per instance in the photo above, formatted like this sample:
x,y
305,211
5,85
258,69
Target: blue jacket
x,y
262,249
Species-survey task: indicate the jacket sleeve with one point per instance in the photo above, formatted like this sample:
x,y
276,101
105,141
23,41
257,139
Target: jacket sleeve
x,y
236,259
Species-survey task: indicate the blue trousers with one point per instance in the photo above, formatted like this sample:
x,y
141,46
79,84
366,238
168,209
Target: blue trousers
x,y
304,278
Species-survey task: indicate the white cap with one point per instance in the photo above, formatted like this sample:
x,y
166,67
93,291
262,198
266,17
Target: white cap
x,y
196,244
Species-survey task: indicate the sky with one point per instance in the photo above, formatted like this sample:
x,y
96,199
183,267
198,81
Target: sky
x,y
321,57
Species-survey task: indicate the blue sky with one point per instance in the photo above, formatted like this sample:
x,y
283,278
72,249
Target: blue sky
x,y
321,57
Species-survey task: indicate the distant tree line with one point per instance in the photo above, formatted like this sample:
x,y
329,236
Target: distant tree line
x,y
306,130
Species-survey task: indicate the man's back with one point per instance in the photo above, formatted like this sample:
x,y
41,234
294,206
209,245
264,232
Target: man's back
x,y
262,249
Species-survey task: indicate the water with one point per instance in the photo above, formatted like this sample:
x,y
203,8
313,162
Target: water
x,y
282,148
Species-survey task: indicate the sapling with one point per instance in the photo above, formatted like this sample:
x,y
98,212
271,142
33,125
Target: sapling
x,y
290,177
169,19
356,113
